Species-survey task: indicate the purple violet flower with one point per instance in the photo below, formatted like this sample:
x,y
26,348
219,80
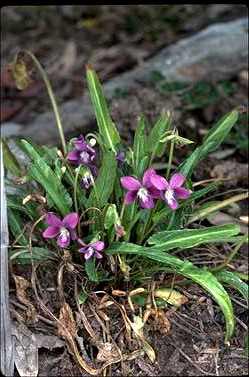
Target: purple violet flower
x,y
87,180
63,230
83,153
171,191
92,249
144,191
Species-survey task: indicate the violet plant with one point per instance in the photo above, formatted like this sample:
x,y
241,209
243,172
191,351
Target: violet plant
x,y
106,200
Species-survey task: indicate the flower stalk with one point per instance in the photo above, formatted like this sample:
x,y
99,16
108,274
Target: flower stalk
x,y
52,99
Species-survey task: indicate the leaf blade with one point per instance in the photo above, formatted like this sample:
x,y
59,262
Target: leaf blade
x,y
106,126
41,172
210,143
202,277
105,180
187,238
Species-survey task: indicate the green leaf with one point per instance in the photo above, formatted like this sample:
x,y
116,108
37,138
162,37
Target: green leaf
x,y
16,226
210,143
187,167
188,238
164,213
83,296
105,181
161,215
142,166
234,281
15,202
10,161
201,276
162,125
111,216
91,270
106,126
42,173
219,132
24,256
200,193
139,146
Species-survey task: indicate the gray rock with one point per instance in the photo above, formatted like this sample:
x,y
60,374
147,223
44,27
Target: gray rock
x,y
216,53
11,129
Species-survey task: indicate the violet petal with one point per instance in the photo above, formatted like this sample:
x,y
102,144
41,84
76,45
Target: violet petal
x,y
53,220
73,156
147,203
130,183
172,203
98,255
88,253
130,197
51,232
159,182
177,180
98,245
63,241
182,193
147,177
71,220
155,193
80,143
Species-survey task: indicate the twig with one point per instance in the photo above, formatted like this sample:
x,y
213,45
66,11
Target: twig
x,y
40,317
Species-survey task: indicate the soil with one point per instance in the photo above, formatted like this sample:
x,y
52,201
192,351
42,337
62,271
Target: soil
x,y
194,343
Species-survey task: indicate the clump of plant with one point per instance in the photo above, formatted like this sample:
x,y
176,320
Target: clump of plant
x,y
103,206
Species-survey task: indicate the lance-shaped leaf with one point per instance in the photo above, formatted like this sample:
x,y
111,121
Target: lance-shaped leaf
x,y
16,226
90,268
156,134
42,173
234,281
183,239
140,146
24,256
10,161
104,183
201,276
210,143
15,202
107,129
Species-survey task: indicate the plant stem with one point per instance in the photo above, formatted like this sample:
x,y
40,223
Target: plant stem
x,y
75,195
75,190
122,211
52,99
171,151
96,194
172,217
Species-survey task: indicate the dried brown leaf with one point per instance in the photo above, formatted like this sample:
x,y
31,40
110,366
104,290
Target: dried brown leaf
x,y
21,286
117,292
107,352
66,322
20,73
161,321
